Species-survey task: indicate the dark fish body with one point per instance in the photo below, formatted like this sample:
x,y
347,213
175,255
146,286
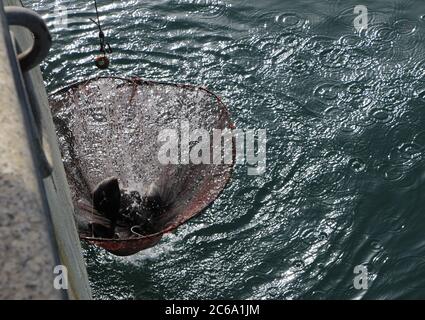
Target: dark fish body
x,y
107,200
128,209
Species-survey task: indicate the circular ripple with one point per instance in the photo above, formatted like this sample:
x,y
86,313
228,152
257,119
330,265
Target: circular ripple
x,y
336,114
394,173
300,67
405,153
401,132
351,129
290,21
376,246
410,116
419,139
404,26
392,95
357,165
381,115
298,265
351,41
327,91
273,292
290,295
355,88
382,33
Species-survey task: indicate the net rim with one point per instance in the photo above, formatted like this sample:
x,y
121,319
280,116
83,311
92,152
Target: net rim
x,y
140,81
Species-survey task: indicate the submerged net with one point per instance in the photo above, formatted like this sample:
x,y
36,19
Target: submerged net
x,y
110,126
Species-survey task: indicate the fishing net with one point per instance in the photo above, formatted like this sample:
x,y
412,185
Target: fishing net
x,y
110,126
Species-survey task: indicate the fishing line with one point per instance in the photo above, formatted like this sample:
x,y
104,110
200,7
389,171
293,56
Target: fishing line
x,y
102,62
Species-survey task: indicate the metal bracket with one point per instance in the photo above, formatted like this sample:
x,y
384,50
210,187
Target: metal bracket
x,y
27,18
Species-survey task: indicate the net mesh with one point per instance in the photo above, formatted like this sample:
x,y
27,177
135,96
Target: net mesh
x,y
110,126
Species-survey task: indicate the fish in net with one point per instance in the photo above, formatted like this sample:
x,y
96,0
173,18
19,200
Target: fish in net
x,y
124,198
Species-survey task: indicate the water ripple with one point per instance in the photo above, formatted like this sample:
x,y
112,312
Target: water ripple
x,y
346,141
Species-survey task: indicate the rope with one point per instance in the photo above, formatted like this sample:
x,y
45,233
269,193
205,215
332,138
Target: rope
x,y
104,46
